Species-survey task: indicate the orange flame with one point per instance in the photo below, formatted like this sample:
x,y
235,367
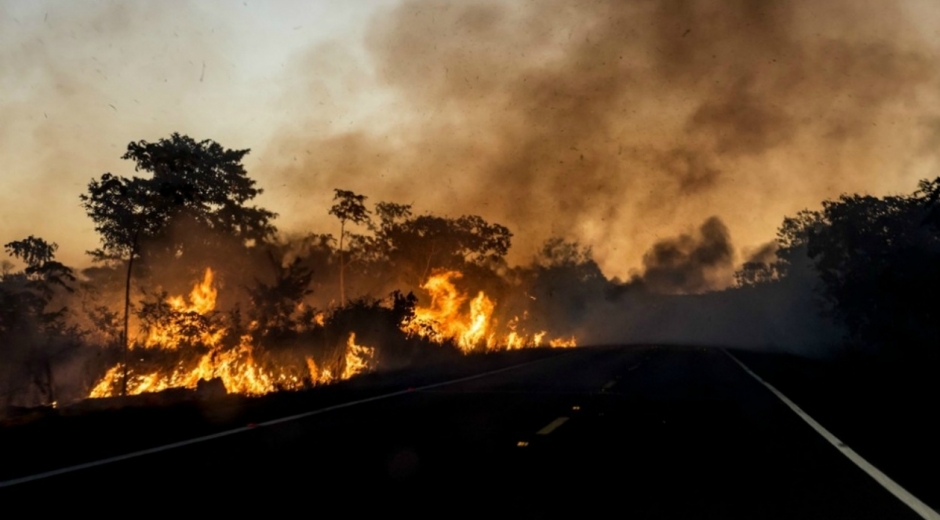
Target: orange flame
x,y
201,301
237,367
470,326
358,358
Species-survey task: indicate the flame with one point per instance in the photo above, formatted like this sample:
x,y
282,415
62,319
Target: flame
x,y
358,358
237,367
201,302
470,326
564,343
451,316
317,376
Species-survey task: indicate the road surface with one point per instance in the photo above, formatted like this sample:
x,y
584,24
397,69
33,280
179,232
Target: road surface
x,y
636,432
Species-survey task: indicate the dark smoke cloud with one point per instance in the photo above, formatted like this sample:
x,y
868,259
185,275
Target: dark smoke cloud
x,y
614,122
690,263
766,254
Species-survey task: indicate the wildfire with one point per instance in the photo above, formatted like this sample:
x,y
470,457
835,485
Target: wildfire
x,y
470,326
358,358
201,302
237,367
563,343
210,352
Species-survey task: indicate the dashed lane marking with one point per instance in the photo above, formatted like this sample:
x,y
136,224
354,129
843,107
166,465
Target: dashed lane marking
x,y
552,426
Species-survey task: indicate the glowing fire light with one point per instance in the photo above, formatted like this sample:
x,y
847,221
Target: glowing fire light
x,y
563,343
358,358
237,367
452,315
470,326
201,301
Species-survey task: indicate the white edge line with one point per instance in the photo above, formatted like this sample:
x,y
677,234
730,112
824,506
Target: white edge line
x,y
242,429
902,494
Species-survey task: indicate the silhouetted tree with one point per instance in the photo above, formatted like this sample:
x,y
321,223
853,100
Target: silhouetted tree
x,y
349,207
414,247
29,329
877,261
274,306
199,182
561,282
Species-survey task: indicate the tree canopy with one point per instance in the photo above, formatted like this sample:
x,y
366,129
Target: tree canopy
x,y
196,181
876,260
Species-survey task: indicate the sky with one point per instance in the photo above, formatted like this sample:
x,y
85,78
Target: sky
x,y
617,124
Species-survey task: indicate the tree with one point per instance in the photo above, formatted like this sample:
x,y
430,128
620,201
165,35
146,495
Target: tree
x,y
275,306
415,246
197,182
561,282
876,260
752,274
28,328
349,207
42,270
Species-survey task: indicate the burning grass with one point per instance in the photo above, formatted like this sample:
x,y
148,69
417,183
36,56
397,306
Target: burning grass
x,y
470,324
186,340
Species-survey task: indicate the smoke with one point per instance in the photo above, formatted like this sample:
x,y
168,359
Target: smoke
x,y
614,123
765,254
81,80
690,263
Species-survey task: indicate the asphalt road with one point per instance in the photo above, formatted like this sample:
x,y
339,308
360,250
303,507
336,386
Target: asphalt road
x,y
628,432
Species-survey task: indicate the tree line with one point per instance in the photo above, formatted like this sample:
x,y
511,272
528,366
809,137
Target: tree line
x,y
877,267
189,206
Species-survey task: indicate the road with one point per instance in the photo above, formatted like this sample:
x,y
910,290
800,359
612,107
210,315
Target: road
x,y
641,432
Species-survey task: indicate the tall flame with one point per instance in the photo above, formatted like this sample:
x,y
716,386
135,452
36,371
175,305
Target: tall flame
x,y
470,326
237,367
358,358
201,301
451,316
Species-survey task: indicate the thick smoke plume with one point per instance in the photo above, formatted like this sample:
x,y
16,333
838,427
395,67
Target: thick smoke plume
x,y
618,122
690,263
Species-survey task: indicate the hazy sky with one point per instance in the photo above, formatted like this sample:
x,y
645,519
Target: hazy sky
x,y
527,113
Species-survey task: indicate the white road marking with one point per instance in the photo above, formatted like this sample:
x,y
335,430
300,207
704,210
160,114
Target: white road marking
x,y
902,494
219,435
552,426
608,385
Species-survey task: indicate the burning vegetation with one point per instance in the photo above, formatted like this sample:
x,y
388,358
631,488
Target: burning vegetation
x,y
209,357
445,319
191,346
192,284
193,287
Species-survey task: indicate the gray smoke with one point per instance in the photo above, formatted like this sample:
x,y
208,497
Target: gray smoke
x,y
618,122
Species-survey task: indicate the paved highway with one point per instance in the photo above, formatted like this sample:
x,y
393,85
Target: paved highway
x,y
651,432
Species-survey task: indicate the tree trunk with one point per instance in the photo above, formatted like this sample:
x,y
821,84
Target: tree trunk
x,y
127,308
50,382
342,265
